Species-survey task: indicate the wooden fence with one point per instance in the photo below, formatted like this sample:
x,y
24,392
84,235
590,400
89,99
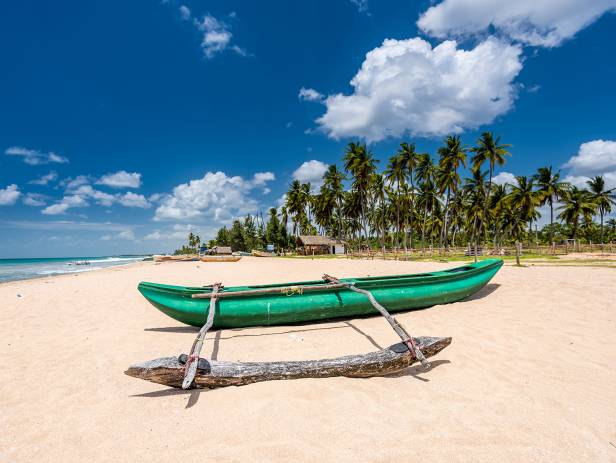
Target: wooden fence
x,y
542,250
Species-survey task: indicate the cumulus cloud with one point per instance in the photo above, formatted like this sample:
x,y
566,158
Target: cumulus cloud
x,y
80,195
311,172
65,204
407,86
544,23
216,37
45,179
309,94
9,195
102,198
35,157
131,199
593,157
362,5
596,157
72,183
184,12
504,178
177,232
216,196
34,200
121,179
261,178
127,234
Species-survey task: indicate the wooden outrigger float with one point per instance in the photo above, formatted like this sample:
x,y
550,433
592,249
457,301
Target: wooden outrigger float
x,y
170,371
220,258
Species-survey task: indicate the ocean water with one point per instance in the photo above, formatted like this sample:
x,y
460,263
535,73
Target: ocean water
x,y
23,269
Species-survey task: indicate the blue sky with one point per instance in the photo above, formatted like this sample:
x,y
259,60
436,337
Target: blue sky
x,y
126,124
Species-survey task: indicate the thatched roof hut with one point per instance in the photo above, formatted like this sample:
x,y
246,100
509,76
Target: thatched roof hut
x,y
315,244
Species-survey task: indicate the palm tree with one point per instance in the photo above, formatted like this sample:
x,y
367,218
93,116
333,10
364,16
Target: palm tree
x,y
524,199
410,158
577,203
377,189
497,208
428,194
361,164
297,199
332,180
489,149
452,155
603,199
396,173
476,203
551,189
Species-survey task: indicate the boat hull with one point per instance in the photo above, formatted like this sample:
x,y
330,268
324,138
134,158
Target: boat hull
x,y
220,258
396,293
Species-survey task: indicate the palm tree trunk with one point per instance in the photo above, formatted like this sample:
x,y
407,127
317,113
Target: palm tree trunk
x,y
398,213
485,206
423,230
601,213
551,219
443,237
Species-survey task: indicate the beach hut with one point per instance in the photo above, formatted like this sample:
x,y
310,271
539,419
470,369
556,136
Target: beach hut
x,y
311,245
221,250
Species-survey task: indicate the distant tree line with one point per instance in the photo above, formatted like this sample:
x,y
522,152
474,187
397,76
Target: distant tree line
x,y
419,201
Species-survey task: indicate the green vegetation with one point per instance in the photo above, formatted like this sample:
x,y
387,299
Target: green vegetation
x,y
419,202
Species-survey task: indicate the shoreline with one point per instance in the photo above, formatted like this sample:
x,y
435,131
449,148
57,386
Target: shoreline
x,y
68,274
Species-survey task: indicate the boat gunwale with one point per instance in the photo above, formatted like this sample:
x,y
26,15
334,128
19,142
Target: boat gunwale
x,y
383,282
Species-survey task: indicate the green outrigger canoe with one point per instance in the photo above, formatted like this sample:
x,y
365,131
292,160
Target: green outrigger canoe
x,y
281,304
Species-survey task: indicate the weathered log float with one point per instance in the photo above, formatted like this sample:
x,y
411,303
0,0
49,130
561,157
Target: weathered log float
x,y
170,371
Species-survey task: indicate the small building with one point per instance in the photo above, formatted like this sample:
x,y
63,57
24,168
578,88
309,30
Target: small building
x,y
221,250
311,245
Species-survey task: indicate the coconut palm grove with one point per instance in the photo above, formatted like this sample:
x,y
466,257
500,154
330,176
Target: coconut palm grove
x,y
441,200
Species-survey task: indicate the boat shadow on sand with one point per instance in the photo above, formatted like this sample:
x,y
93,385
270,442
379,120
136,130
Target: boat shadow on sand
x,y
483,292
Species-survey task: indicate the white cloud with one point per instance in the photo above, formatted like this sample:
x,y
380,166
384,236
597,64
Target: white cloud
x,y
544,23
504,178
406,86
184,12
216,37
261,178
154,236
312,172
35,157
362,5
65,204
34,200
134,200
216,196
45,179
309,94
177,232
594,157
127,234
121,179
9,195
73,183
102,198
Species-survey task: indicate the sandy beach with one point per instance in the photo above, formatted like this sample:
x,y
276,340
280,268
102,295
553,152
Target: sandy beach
x,y
529,376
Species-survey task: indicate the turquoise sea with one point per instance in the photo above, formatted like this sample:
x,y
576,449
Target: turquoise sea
x,y
23,269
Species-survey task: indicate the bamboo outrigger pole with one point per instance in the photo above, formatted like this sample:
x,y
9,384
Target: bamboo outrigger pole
x,y
193,358
400,331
